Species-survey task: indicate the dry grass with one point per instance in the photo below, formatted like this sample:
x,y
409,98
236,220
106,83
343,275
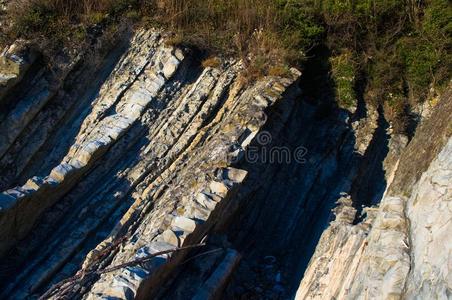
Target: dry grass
x,y
278,70
211,62
400,58
247,29
243,28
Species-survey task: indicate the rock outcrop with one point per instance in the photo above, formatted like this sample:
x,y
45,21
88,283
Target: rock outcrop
x,y
15,60
137,173
401,250
147,162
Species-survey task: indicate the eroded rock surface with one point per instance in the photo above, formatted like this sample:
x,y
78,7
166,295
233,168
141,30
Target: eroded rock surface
x,y
111,158
401,249
145,161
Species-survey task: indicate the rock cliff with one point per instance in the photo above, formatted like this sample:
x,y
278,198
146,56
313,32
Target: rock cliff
x,y
143,156
112,160
401,249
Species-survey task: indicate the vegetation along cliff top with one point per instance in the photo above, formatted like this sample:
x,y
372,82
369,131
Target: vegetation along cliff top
x,y
396,53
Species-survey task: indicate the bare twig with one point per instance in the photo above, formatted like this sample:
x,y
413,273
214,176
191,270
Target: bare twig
x,y
201,254
83,275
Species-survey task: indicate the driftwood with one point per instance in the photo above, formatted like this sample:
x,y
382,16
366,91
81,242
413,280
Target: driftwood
x,y
58,290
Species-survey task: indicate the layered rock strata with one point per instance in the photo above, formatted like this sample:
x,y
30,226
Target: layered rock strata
x,y
401,249
144,159
114,157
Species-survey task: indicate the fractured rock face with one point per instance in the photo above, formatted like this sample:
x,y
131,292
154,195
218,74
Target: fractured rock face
x,y
147,153
14,63
401,250
142,165
429,210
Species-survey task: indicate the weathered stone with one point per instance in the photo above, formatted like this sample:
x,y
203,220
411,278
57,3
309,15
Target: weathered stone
x,y
206,201
400,251
186,224
214,286
430,228
170,67
34,183
61,171
170,237
235,175
15,60
134,147
218,188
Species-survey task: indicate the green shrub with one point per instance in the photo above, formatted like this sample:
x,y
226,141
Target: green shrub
x,y
297,27
344,76
420,61
57,22
93,18
401,48
437,31
34,18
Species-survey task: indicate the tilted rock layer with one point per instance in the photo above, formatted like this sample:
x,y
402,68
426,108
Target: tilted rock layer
x,y
402,249
111,157
147,162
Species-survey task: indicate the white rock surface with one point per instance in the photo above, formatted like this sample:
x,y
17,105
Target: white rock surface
x,y
401,251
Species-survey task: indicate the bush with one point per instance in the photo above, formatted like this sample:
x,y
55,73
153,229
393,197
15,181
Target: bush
x,y
279,70
275,31
437,31
401,48
62,22
420,61
343,75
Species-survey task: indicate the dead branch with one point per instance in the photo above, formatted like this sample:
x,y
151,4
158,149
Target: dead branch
x,y
81,276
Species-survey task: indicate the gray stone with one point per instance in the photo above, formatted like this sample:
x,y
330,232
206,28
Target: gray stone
x,y
206,201
61,171
186,224
235,175
170,237
170,67
218,188
143,142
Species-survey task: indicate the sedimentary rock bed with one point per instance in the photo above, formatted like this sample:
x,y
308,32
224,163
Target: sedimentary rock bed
x,y
145,160
109,157
400,250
